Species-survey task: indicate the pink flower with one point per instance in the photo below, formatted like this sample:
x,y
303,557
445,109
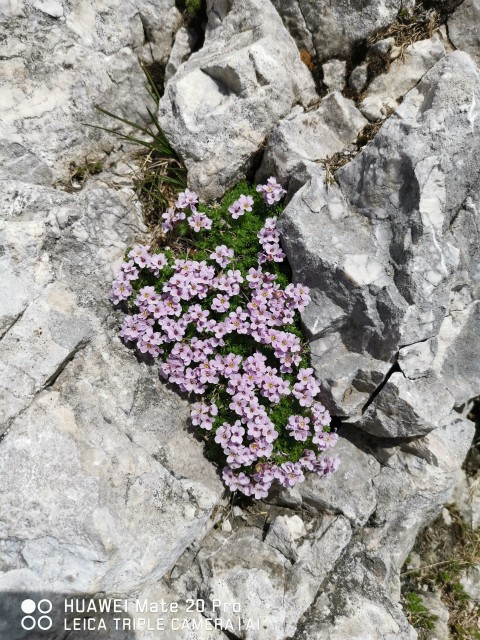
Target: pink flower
x,y
172,311
271,192
222,255
187,199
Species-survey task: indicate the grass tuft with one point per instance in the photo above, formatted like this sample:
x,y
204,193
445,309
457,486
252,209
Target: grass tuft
x,y
161,173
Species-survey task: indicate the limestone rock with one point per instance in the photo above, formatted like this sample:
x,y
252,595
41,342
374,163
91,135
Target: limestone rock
x,y
61,60
99,490
276,581
223,102
463,28
359,78
334,73
360,597
436,607
332,29
350,491
466,498
301,140
386,90
471,582
390,266
182,48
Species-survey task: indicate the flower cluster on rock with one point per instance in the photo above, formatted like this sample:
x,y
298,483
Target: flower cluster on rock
x,y
226,332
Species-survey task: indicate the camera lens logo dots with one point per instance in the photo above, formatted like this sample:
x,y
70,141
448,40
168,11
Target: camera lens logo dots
x,y
39,618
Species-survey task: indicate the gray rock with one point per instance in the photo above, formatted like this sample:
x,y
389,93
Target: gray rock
x,y
97,496
471,582
276,581
316,558
14,296
255,579
350,491
61,60
433,602
386,90
357,617
50,7
334,74
391,268
360,597
285,533
332,29
421,404
359,77
182,48
223,102
382,47
466,498
93,437
302,140
463,28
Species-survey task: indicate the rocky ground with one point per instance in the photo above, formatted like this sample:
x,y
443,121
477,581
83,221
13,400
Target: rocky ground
x,y
370,118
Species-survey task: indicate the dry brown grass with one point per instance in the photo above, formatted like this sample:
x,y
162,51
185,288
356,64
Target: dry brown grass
x,y
410,27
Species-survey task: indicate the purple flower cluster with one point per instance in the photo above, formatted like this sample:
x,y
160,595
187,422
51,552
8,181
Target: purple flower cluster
x,y
238,208
271,192
186,200
251,304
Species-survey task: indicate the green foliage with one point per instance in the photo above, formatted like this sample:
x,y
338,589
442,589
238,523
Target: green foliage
x,y
90,168
193,7
80,173
241,236
418,614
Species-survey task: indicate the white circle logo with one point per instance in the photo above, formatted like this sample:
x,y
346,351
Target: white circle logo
x,y
28,606
29,622
44,606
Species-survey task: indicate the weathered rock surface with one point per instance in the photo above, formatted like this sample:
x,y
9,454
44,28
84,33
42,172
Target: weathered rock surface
x,y
466,498
58,64
94,492
361,535
302,140
119,499
332,29
334,75
182,48
276,581
433,602
390,265
463,28
103,488
384,93
223,102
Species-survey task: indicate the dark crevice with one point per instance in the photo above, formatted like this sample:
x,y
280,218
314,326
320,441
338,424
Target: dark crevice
x,y
51,381
393,369
255,163
156,71
472,461
314,65
443,7
195,17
